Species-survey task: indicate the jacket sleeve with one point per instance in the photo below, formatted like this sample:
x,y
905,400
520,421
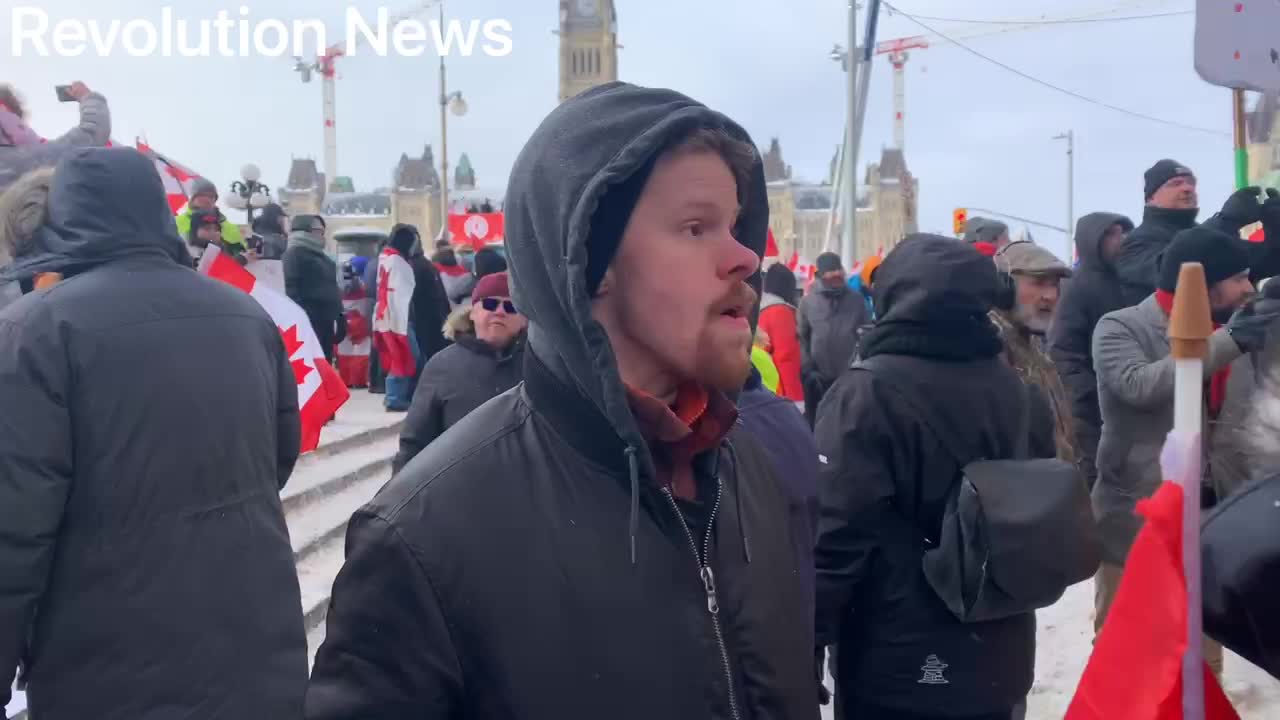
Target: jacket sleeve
x,y
423,423
288,421
231,233
94,128
1071,349
855,495
35,479
1139,260
1124,370
804,333
388,651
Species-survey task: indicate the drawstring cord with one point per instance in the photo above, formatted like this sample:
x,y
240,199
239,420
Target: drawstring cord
x,y
737,500
633,466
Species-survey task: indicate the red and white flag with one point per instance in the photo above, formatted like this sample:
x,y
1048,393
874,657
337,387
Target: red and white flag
x,y
391,315
478,229
176,177
770,246
320,391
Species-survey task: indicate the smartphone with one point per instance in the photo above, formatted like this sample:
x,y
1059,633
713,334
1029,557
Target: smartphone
x,y
64,93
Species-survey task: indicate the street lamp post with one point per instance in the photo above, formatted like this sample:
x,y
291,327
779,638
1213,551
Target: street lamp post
x,y
248,193
448,101
1070,137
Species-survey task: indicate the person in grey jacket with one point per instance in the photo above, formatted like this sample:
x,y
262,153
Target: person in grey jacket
x,y
1136,390
21,150
828,320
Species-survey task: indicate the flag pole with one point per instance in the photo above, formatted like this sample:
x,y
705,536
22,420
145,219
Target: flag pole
x,y
1241,140
1190,326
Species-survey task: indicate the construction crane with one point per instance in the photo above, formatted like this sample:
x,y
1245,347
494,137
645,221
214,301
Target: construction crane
x,y
898,55
324,65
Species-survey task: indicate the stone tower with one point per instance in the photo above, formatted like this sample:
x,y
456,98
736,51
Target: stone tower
x,y
588,45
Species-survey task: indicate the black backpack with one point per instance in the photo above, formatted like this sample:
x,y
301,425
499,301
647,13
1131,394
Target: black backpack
x,y
1016,533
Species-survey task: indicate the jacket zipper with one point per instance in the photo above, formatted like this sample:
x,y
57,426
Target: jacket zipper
x,y
703,561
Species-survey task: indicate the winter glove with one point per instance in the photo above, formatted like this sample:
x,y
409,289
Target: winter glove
x,y
1242,208
1249,325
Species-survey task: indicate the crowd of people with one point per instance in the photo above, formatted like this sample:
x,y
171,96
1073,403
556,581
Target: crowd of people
x,y
639,476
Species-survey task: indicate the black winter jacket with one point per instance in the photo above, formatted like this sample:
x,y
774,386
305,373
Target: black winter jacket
x,y
145,563
1094,291
459,379
311,281
885,485
526,564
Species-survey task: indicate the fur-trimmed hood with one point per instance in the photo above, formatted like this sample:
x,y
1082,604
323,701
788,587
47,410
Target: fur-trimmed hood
x,y
459,324
23,209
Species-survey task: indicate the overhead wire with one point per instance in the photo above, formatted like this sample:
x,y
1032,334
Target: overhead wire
x,y
1051,86
1060,21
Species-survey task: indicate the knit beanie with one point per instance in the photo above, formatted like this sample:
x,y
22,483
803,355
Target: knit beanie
x,y
492,285
489,261
780,281
1222,255
1161,173
827,262
609,222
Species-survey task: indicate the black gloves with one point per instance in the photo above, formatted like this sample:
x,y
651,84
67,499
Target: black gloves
x,y
1242,208
1249,325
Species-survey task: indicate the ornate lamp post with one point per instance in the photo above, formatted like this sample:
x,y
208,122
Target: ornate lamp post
x,y
248,193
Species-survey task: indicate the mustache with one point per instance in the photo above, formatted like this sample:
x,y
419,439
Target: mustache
x,y
741,297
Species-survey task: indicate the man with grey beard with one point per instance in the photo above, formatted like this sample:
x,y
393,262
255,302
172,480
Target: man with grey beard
x,y
1037,276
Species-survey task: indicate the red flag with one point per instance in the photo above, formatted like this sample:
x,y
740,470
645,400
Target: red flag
x,y
1135,672
391,316
794,261
770,246
479,229
320,390
177,178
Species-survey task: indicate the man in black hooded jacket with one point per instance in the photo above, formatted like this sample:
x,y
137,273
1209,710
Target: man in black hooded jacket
x,y
579,546
885,484
145,566
1093,291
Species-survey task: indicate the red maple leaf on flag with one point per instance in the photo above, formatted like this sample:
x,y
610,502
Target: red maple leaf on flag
x,y
384,280
292,345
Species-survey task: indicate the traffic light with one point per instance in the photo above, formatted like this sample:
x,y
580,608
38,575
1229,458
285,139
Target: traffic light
x,y
959,217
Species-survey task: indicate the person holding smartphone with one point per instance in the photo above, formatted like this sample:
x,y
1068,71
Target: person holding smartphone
x,y
22,150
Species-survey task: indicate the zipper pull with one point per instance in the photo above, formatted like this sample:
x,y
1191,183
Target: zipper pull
x,y
709,582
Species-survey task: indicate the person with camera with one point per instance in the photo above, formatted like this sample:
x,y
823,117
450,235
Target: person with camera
x,y
22,150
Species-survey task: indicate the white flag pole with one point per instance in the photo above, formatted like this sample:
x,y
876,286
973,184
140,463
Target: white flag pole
x,y
1190,326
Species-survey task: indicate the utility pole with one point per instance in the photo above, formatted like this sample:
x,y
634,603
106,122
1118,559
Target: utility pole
x,y
444,141
1070,136
849,189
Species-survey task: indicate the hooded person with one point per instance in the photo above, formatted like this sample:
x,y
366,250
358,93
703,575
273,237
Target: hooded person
x,y
886,482
271,226
829,318
778,321
430,306
488,261
1093,291
485,359
1172,205
596,549
393,330
147,568
204,198
22,150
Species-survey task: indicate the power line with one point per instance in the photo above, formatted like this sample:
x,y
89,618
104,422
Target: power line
x,y
1051,86
1063,21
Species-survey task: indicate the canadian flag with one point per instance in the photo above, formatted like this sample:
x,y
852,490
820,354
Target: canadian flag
x,y
391,315
479,229
320,391
770,246
177,178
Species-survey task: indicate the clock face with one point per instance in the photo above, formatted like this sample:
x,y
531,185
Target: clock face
x,y
587,8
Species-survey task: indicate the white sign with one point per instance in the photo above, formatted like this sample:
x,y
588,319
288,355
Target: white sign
x,y
1238,43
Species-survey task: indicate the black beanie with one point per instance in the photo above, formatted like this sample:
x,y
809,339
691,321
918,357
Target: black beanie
x,y
610,221
827,262
1222,255
1161,173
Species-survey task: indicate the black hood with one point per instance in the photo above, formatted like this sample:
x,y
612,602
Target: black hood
x,y
105,204
1090,230
403,238
595,140
929,279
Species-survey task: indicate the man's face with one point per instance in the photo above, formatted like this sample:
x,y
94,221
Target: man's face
x,y
1178,193
209,234
204,202
833,278
1227,296
1037,299
675,300
1111,242
497,321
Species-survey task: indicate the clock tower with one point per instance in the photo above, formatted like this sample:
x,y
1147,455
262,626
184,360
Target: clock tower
x,y
588,45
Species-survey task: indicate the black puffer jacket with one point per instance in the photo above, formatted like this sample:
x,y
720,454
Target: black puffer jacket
x,y
145,560
526,564
311,281
1093,291
459,379
887,479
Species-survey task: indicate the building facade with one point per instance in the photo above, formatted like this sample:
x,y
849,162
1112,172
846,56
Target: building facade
x,y
588,45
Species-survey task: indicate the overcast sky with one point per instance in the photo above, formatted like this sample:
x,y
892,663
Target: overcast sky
x,y
976,135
